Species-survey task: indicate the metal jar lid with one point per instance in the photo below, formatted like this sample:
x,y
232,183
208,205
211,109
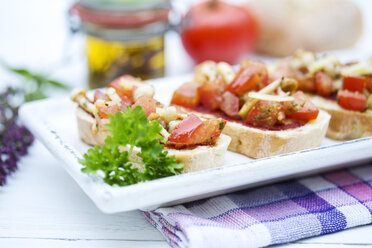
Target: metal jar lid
x,y
122,13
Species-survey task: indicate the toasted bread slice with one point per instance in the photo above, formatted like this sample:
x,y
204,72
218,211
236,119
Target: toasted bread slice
x,y
259,143
344,124
198,158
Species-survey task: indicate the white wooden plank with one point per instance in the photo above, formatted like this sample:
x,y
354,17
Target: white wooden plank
x,y
12,243
41,200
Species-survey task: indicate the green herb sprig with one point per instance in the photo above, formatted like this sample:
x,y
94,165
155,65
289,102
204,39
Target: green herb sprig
x,y
35,85
117,160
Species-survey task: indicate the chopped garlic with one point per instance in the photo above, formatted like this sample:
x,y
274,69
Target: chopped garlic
x,y
172,125
226,71
143,90
79,95
301,59
266,97
362,68
165,134
167,114
113,96
328,64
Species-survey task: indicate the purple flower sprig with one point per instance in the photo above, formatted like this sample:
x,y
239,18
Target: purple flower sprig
x,y
14,138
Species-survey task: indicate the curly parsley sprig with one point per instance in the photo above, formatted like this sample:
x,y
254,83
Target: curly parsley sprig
x,y
117,159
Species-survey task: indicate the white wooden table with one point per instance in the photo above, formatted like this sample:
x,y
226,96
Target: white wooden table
x,y
41,205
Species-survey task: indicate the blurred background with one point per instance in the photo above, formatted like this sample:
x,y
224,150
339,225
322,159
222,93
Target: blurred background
x,y
50,37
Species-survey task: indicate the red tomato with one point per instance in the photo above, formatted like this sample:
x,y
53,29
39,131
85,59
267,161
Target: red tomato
x,y
211,95
354,83
230,104
184,133
149,104
369,84
193,131
99,95
301,108
123,89
323,84
107,107
351,100
218,31
187,95
265,114
249,77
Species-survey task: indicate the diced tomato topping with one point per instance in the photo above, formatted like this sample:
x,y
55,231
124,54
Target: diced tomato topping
x,y
323,83
184,133
265,114
125,102
351,100
187,95
230,104
124,86
306,83
369,84
301,108
209,131
248,78
211,95
261,70
354,83
99,95
149,104
192,131
107,107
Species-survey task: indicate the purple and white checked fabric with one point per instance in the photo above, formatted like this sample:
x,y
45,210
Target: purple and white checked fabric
x,y
274,214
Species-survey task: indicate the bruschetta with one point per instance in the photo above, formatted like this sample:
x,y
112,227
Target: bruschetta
x,y
197,143
263,119
343,90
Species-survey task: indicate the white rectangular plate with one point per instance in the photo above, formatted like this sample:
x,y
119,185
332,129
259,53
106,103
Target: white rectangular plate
x,y
53,122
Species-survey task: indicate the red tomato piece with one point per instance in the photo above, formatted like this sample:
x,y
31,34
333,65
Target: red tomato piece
x,y
184,133
354,83
260,68
265,114
211,95
248,78
99,95
193,131
306,83
230,104
149,104
187,95
351,100
369,84
301,108
209,131
123,86
107,107
323,84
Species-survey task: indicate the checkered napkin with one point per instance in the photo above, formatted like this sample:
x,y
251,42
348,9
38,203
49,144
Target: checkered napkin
x,y
273,214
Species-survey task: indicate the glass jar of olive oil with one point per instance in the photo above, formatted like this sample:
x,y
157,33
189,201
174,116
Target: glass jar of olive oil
x,y
123,37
